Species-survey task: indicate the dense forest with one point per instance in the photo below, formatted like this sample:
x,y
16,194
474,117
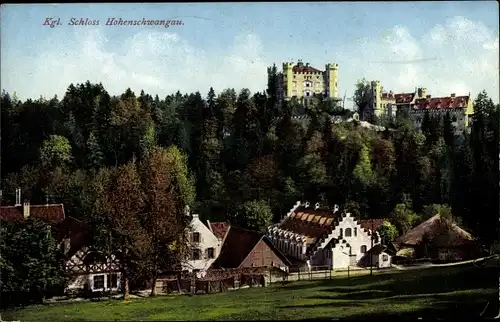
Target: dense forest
x,y
242,158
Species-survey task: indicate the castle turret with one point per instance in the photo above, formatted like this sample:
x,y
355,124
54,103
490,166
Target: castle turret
x,y
332,78
287,78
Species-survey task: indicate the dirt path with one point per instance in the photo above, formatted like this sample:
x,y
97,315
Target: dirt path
x,y
422,266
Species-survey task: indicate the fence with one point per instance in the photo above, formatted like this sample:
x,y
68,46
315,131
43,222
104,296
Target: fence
x,y
232,279
214,281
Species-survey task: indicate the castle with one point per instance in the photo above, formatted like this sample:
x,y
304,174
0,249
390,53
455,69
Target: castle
x,y
415,104
303,81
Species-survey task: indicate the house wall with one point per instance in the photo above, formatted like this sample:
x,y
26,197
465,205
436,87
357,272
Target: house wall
x,y
378,260
81,282
340,258
207,240
262,255
357,239
323,257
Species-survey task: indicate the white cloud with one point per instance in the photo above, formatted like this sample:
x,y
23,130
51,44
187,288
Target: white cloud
x,y
459,56
158,62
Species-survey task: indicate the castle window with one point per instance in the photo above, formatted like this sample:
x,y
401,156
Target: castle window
x,y
363,249
385,258
454,119
355,232
196,237
348,232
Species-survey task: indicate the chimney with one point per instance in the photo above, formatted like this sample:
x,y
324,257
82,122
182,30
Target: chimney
x,y
453,95
18,197
187,211
195,216
26,209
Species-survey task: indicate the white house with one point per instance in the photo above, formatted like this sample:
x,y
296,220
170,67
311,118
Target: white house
x,y
315,236
205,247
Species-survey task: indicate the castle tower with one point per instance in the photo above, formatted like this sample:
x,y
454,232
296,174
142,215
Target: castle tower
x,y
332,78
287,78
378,98
422,92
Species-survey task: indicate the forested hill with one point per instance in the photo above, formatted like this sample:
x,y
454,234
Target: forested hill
x,y
54,148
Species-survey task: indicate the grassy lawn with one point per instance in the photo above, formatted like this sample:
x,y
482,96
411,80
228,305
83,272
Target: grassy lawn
x,y
442,292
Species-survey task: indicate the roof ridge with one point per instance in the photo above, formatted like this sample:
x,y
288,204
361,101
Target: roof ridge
x,y
48,205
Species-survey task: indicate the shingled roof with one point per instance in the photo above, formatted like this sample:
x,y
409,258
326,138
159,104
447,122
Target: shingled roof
x,y
369,223
52,214
404,98
237,246
220,229
457,236
310,222
76,231
451,102
305,69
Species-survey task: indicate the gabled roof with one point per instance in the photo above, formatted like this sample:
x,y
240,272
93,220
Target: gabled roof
x,y
52,214
432,226
76,231
369,223
305,69
310,222
237,246
388,95
404,98
220,229
458,102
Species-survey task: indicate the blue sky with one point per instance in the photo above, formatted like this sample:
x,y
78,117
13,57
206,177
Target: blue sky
x,y
448,47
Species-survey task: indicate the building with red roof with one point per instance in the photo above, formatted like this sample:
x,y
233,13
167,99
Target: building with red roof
x,y
415,104
322,236
302,81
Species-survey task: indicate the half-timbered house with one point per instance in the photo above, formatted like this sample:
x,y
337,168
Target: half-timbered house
x,y
87,269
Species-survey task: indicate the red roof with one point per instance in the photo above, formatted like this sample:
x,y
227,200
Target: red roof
x,y
404,98
238,244
458,102
52,214
76,231
219,229
298,223
305,69
388,95
367,224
